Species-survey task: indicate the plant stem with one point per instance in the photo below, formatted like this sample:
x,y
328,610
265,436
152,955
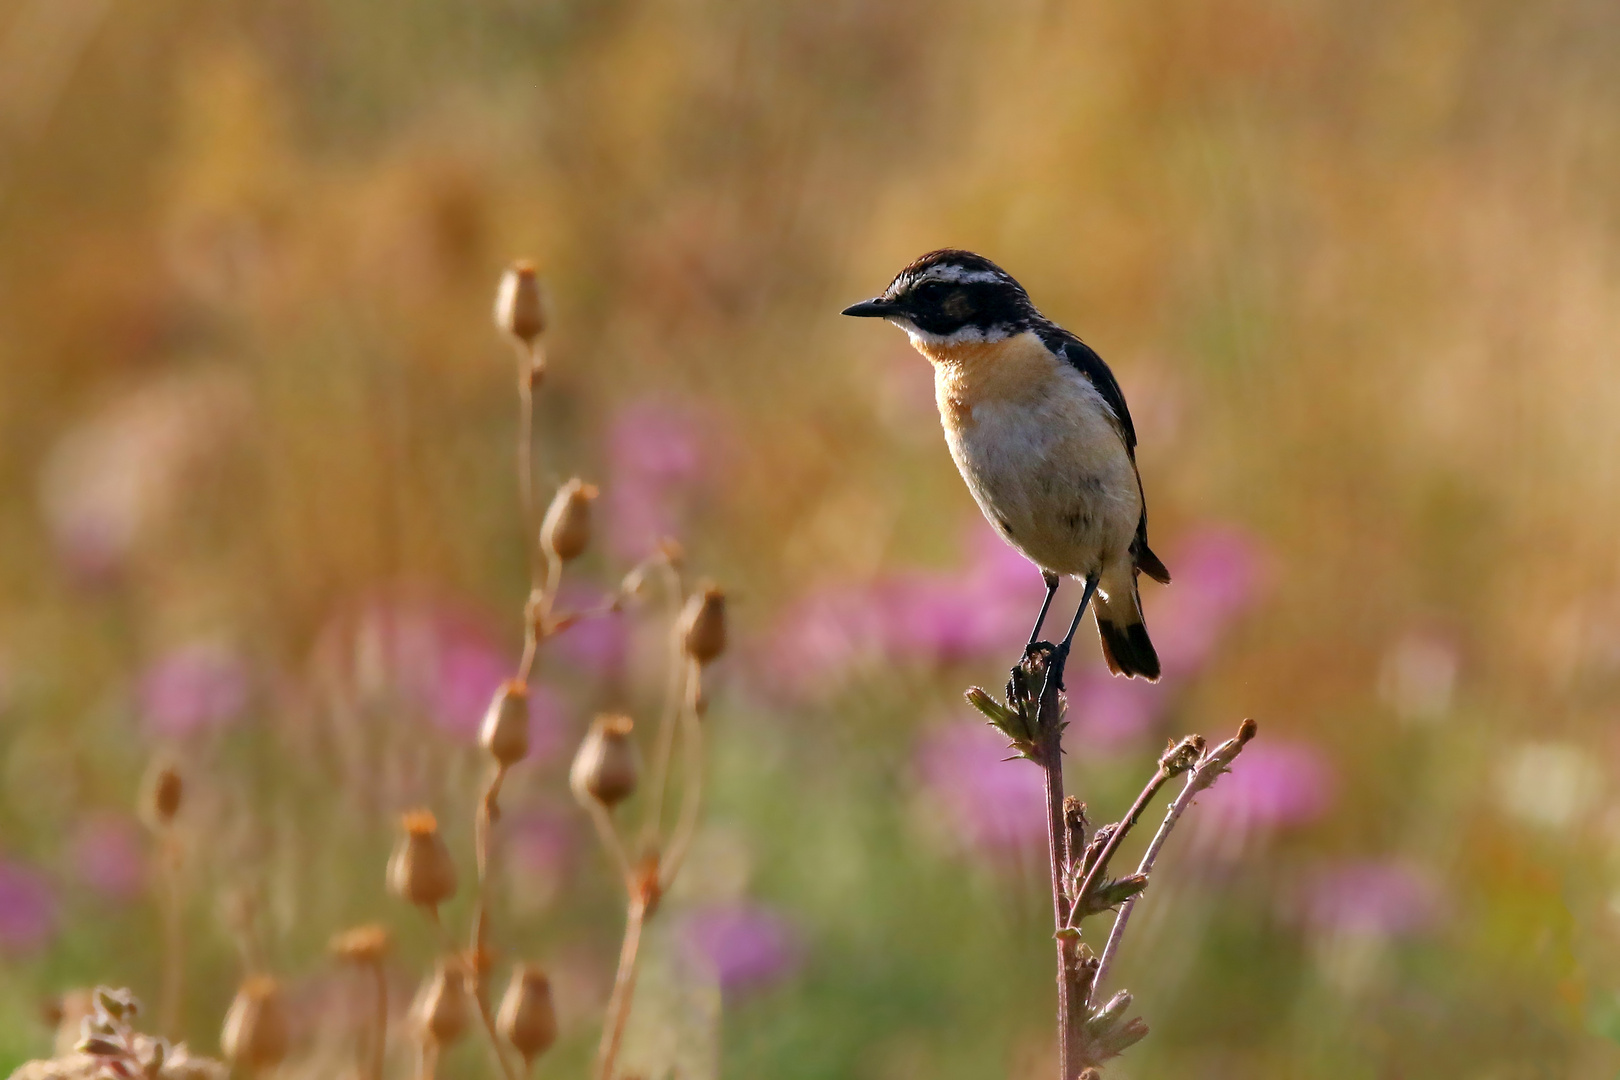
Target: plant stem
x,y
380,1047
1207,771
1100,866
473,973
173,936
624,986
691,725
1049,750
668,718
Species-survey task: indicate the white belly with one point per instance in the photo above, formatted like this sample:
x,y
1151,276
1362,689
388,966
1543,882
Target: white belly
x,y
1053,477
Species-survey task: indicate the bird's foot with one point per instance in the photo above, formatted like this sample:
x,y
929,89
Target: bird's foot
x,y
1043,659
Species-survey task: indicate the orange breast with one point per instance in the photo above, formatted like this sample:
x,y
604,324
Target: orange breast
x,y
1014,369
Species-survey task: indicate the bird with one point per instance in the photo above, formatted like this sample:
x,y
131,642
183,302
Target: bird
x,y
1039,430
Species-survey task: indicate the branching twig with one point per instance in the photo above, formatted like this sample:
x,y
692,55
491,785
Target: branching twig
x,y
1205,773
1178,758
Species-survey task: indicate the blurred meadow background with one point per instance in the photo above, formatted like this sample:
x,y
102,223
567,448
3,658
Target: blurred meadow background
x,y
1357,267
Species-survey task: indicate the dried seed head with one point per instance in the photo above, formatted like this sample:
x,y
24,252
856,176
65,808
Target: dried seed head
x,y
420,869
527,1018
505,733
702,624
161,796
255,1035
361,945
608,765
565,532
518,310
441,1005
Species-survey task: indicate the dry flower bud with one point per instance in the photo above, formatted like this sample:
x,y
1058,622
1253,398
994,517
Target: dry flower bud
x,y
420,869
527,1018
361,945
565,532
161,796
441,1006
702,624
255,1035
608,765
518,310
505,733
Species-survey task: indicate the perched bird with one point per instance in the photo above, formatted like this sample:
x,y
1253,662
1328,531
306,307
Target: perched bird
x,y
1039,429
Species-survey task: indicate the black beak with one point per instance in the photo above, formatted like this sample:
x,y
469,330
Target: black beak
x,y
870,309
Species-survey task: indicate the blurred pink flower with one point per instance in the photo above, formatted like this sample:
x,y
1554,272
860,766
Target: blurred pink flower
x,y
994,806
437,657
823,638
1272,785
1377,898
108,856
541,843
1217,575
910,618
656,451
985,608
1109,712
598,644
27,908
749,946
193,688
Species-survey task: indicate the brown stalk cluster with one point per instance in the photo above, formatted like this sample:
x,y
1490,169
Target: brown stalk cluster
x,y
607,771
1092,1030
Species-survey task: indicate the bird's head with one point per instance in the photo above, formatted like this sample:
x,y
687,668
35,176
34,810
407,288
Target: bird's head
x,y
952,297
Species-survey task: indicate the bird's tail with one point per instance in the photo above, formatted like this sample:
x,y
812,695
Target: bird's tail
x,y
1125,642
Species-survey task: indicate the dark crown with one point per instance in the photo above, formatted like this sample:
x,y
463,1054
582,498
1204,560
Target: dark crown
x,y
949,289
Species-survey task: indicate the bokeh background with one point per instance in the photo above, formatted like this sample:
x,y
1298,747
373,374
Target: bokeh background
x,y
1357,267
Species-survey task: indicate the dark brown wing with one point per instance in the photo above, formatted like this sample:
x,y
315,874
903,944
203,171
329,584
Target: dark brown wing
x,y
1085,359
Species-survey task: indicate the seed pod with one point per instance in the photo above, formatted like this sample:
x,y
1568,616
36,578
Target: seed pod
x,y
565,532
505,733
702,625
441,1005
161,796
608,765
255,1035
528,1019
361,945
420,869
518,310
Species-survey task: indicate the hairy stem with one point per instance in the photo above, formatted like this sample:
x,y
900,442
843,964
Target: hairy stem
x,y
1205,773
1049,756
1100,866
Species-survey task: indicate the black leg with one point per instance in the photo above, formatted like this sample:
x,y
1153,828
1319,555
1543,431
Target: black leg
x,y
1051,580
1085,602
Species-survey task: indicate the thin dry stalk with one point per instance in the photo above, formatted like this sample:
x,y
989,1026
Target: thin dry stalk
x,y
474,974
624,987
379,1044
669,716
691,724
171,996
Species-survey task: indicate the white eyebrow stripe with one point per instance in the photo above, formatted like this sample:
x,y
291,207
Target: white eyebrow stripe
x,y
960,275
